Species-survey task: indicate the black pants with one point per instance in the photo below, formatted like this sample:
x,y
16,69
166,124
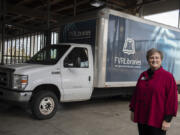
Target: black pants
x,y
148,130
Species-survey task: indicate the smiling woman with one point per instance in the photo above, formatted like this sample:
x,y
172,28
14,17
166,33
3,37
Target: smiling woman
x,y
154,58
154,101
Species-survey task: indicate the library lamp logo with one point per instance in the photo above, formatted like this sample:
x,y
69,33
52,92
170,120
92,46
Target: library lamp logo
x,y
129,46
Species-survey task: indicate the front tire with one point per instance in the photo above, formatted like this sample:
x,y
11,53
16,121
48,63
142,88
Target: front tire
x,y
44,105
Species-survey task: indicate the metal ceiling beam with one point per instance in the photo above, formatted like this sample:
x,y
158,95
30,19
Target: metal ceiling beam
x,y
22,2
72,5
25,11
51,3
114,6
26,20
29,28
13,18
149,2
82,17
117,3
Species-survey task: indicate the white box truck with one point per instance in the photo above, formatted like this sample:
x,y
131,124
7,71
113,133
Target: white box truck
x,y
100,54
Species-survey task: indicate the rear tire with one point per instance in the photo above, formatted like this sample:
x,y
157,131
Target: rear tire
x,y
44,105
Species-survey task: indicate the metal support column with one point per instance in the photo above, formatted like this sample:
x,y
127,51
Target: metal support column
x,y
48,32
75,7
140,9
2,6
179,17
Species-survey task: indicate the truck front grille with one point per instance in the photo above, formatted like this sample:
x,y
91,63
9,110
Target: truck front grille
x,y
5,78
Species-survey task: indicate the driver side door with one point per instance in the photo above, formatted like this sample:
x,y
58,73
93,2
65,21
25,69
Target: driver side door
x,y
77,75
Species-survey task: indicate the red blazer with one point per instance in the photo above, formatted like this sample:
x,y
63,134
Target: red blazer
x,y
154,98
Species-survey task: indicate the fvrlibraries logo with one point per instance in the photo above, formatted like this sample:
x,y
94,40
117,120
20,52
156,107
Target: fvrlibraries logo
x,y
129,46
126,61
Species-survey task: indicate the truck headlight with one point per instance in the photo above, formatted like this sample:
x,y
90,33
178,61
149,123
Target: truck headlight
x,y
20,81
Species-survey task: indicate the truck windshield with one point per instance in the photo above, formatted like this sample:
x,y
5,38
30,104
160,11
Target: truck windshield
x,y
49,55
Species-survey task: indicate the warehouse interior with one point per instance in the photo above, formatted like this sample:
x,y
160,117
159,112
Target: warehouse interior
x,y
26,26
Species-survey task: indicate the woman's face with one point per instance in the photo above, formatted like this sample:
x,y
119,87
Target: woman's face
x,y
155,61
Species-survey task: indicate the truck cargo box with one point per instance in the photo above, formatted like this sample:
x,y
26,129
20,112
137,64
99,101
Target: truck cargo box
x,y
120,42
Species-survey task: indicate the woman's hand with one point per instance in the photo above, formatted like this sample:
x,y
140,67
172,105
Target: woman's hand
x,y
132,116
165,125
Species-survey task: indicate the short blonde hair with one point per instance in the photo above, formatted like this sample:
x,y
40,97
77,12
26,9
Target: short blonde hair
x,y
152,51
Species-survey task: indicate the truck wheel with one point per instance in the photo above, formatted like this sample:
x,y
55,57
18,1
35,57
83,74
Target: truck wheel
x,y
44,105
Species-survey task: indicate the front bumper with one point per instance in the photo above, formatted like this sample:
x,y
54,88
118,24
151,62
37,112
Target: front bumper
x,y
17,96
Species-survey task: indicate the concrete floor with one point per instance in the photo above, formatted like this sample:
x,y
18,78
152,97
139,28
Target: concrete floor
x,y
108,116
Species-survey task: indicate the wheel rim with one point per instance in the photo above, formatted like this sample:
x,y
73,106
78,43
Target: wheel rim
x,y
46,105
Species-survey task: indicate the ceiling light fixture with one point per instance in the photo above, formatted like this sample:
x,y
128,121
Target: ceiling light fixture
x,y
96,3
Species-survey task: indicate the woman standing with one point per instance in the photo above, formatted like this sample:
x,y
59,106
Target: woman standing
x,y
154,101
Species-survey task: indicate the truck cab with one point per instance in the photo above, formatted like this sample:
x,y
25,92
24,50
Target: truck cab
x,y
62,72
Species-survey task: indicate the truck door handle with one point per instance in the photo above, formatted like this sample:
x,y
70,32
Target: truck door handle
x,y
89,78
